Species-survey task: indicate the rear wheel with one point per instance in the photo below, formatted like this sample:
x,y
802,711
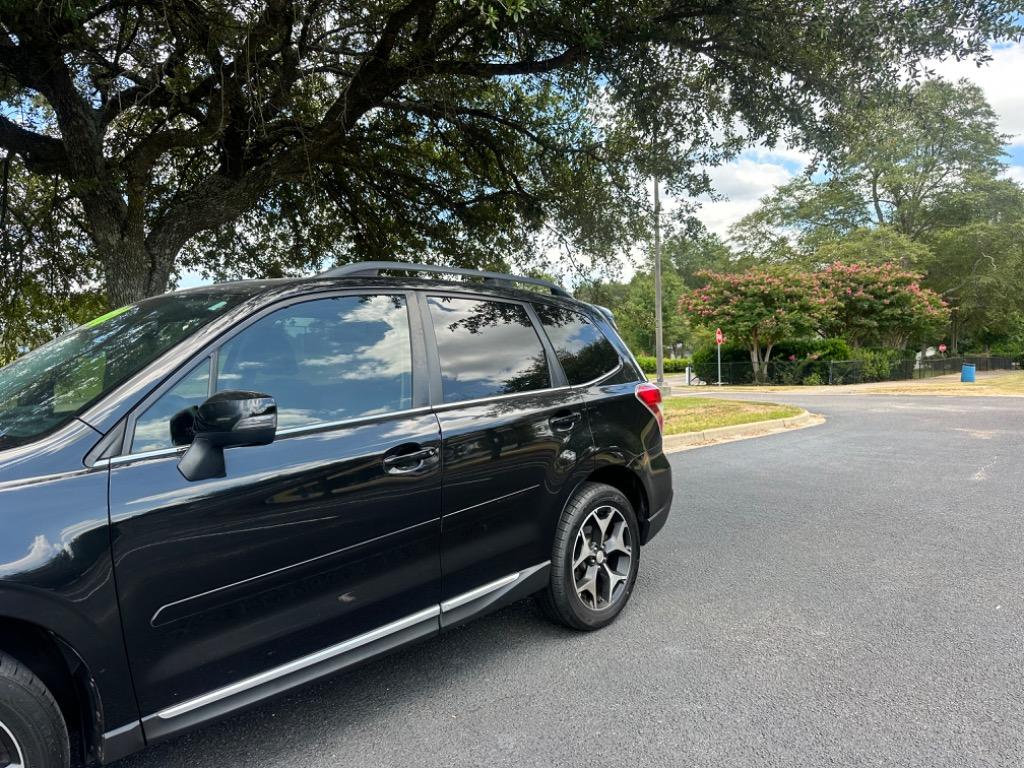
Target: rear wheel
x,y
32,730
594,560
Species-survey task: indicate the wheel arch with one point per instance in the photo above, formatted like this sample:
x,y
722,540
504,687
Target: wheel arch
x,y
628,482
85,670
57,664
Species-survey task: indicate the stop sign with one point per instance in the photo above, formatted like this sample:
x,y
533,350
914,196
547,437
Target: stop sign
x,y
719,336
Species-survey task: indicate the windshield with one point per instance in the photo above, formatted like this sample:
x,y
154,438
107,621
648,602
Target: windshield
x,y
51,385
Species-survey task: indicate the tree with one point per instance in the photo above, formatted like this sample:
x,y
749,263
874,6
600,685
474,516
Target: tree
x,y
899,162
913,180
874,246
979,270
45,267
759,308
697,250
269,136
880,305
635,314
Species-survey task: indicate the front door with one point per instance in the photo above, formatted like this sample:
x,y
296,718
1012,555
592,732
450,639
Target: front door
x,y
312,550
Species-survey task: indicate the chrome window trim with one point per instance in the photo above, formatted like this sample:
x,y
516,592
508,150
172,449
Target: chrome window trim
x,y
130,457
326,425
599,379
329,425
287,432
482,400
344,647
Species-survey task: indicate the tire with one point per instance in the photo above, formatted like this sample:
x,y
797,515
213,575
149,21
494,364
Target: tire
x,y
592,506
32,730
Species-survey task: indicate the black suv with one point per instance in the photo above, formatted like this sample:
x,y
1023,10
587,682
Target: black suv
x,y
212,496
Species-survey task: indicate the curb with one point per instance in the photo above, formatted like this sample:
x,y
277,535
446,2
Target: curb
x,y
753,429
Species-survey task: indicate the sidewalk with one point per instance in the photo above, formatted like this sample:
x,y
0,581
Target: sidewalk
x,y
988,384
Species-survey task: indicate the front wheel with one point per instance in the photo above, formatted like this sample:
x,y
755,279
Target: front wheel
x,y
594,560
32,729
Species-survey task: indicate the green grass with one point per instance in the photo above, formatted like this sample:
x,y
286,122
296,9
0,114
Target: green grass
x,y
695,414
987,384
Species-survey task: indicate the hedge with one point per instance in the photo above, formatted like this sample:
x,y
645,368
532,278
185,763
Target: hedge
x,y
649,364
794,361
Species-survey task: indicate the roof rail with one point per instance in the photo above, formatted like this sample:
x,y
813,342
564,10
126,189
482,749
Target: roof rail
x,y
374,268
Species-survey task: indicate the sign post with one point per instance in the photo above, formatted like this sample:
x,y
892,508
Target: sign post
x,y
719,338
659,346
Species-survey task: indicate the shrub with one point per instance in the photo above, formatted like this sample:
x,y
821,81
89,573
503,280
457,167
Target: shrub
x,y
649,364
813,379
705,362
879,364
792,361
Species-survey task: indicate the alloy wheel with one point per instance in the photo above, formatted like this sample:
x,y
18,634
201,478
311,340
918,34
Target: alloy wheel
x,y
602,558
10,751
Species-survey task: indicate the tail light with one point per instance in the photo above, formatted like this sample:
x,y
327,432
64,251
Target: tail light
x,y
650,396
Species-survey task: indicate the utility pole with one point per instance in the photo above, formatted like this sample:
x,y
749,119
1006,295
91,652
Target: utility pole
x,y
659,345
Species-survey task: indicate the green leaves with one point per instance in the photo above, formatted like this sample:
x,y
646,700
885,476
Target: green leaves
x,y
245,139
880,305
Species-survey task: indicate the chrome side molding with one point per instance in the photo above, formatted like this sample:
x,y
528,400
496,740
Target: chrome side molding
x,y
473,594
334,651
299,664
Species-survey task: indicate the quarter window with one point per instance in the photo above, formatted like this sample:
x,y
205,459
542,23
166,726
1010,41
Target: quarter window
x,y
580,346
486,348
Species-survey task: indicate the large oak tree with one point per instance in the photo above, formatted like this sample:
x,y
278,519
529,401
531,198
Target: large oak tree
x,y
249,137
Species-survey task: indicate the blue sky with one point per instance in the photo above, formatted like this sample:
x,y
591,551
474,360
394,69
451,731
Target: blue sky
x,y
758,171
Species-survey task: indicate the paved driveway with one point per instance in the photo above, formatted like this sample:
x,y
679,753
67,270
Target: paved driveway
x,y
845,595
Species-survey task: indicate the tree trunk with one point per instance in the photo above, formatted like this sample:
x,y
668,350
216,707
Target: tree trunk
x,y
132,273
764,362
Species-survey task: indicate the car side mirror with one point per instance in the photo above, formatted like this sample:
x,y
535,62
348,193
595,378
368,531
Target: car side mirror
x,y
231,418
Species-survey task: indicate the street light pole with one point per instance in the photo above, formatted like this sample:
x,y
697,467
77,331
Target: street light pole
x,y
659,346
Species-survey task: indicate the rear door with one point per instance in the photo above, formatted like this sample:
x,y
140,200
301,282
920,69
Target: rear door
x,y
314,549
515,443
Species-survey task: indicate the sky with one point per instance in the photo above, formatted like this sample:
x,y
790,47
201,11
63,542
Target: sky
x,y
756,172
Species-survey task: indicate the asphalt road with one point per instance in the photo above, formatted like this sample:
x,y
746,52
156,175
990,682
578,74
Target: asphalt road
x,y
844,595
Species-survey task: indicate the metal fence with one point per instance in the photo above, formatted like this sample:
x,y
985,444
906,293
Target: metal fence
x,y
789,372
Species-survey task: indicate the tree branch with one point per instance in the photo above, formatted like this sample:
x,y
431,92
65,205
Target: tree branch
x,y
41,154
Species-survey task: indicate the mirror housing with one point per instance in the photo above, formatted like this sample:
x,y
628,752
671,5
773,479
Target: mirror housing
x,y
227,419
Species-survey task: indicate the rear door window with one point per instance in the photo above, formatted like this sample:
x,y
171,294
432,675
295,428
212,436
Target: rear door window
x,y
582,349
486,349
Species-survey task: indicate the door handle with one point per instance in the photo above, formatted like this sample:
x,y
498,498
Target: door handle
x,y
407,463
564,422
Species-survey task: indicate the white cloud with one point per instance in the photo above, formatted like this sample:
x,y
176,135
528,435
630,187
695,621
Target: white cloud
x,y
1000,80
1016,172
744,182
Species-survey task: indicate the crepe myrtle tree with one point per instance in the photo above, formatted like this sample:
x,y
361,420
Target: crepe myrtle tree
x,y
881,305
759,308
244,137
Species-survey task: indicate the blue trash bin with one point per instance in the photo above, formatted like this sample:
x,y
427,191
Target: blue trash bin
x,y
967,373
